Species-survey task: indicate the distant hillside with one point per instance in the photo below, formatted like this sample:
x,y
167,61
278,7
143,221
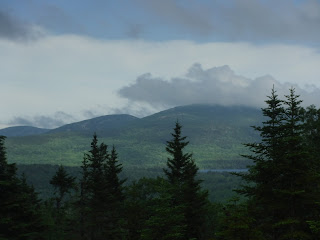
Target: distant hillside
x,y
216,135
104,125
22,131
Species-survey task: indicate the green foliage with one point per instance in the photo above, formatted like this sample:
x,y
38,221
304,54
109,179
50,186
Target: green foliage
x,y
218,184
20,217
284,185
184,192
150,213
236,223
63,184
279,195
216,139
167,221
101,198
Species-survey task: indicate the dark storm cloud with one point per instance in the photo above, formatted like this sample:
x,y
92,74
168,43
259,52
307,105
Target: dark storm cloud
x,y
218,85
43,121
171,12
269,20
14,29
135,30
245,20
58,20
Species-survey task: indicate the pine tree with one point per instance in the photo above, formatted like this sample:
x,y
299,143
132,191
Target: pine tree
x,y
185,188
20,215
280,196
236,224
61,207
167,221
144,200
112,171
101,197
115,199
312,139
63,183
263,173
94,192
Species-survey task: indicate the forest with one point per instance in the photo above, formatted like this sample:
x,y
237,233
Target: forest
x,y
278,198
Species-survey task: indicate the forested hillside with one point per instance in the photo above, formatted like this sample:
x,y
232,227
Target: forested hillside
x,y
278,197
217,134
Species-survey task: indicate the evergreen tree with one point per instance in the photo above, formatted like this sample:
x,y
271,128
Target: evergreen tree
x,y
115,200
167,221
63,183
236,224
112,171
94,192
312,138
20,215
142,202
185,190
101,197
280,196
263,173
61,210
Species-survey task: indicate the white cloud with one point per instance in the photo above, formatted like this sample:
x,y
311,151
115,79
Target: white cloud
x,y
217,85
73,74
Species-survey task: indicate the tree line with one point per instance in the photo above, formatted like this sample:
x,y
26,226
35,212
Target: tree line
x,y
279,200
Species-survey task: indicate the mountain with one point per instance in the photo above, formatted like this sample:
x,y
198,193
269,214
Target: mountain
x,y
104,125
22,131
216,135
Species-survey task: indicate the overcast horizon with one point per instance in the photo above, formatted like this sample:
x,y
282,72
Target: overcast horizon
x,y
66,61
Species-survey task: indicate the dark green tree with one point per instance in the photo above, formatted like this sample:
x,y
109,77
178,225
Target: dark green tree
x,y
167,221
63,183
235,222
101,198
185,189
312,138
279,192
263,173
115,201
94,192
20,215
61,207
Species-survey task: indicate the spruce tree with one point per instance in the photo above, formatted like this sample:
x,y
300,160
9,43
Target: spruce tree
x,y
115,201
61,207
312,138
63,183
101,198
185,189
279,192
93,192
264,171
20,215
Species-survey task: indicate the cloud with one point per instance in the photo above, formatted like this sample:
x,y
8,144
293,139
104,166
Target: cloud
x,y
72,73
14,29
135,30
43,121
172,13
285,21
245,20
58,20
217,85
252,20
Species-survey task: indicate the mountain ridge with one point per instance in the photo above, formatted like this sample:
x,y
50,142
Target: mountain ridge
x,y
216,134
19,131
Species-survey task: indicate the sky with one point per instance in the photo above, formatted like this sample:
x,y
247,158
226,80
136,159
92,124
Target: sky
x,y
66,61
